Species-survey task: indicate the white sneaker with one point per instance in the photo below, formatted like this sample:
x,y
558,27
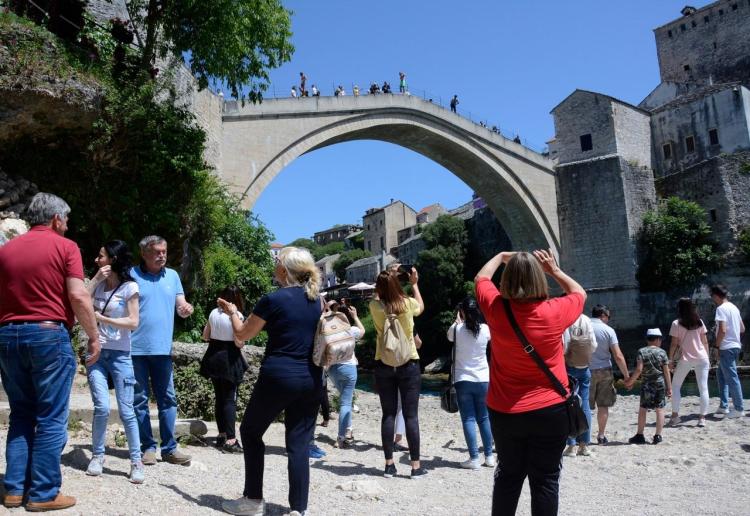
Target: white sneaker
x,y
470,464
489,461
244,506
674,421
95,466
585,451
735,414
701,422
570,451
722,410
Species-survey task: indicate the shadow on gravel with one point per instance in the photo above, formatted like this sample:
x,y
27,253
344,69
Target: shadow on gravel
x,y
745,448
205,500
347,468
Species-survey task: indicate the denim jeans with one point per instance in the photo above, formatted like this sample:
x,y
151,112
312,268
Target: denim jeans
x,y
729,380
159,369
344,376
120,366
472,406
37,366
583,376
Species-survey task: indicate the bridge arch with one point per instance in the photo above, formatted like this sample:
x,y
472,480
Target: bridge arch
x,y
516,183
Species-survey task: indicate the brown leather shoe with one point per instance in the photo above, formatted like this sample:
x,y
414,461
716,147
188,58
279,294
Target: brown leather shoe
x,y
11,501
60,502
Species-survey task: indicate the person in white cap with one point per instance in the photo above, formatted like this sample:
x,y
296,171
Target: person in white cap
x,y
652,364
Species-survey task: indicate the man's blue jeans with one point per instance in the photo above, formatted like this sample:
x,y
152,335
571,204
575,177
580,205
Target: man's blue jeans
x,y
583,376
344,376
119,365
37,366
472,406
159,369
729,380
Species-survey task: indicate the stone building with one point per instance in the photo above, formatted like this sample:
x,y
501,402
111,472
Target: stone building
x,y
327,274
690,138
381,225
367,269
338,233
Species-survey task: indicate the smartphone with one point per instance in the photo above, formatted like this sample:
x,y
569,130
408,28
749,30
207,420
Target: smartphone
x,y
404,272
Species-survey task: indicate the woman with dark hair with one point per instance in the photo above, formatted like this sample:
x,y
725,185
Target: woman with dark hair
x,y
225,366
688,350
115,298
528,415
472,377
405,378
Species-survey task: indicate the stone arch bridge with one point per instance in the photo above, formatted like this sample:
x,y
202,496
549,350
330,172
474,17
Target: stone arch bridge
x,y
518,184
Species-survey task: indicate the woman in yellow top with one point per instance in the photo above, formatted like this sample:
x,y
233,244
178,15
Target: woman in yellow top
x,y
406,378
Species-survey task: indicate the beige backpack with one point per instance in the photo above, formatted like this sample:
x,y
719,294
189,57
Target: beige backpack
x,y
395,347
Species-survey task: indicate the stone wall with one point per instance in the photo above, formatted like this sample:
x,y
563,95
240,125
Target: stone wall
x,y
723,109
632,134
713,42
721,186
600,205
582,113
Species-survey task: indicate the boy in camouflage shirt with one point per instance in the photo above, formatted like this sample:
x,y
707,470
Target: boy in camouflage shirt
x,y
652,364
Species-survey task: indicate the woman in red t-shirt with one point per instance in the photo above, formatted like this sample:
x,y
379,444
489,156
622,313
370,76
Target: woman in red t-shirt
x,y
528,416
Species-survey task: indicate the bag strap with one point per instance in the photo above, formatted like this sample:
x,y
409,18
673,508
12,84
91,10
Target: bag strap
x,y
529,349
110,297
453,356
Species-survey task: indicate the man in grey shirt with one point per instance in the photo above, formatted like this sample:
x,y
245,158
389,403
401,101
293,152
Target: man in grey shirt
x,y
602,394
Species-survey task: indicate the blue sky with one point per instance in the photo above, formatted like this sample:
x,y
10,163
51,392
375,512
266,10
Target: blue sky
x,y
509,61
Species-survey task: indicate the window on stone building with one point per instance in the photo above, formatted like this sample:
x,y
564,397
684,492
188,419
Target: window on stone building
x,y
368,227
721,12
734,7
669,33
667,148
714,45
382,244
713,137
713,215
706,19
686,67
689,144
683,28
693,24
369,245
586,143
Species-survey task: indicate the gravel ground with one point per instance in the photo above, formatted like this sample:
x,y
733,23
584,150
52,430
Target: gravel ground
x,y
700,471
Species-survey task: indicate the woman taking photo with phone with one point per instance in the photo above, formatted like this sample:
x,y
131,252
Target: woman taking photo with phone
x,y
528,416
115,298
393,303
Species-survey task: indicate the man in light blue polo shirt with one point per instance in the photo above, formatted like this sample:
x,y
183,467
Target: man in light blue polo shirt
x,y
161,294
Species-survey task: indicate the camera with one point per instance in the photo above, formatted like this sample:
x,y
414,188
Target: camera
x,y
404,272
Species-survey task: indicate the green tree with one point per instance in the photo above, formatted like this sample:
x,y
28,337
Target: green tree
x,y
234,42
358,241
346,259
441,263
329,249
676,246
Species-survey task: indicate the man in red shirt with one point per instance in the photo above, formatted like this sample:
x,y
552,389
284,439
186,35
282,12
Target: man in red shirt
x,y
41,293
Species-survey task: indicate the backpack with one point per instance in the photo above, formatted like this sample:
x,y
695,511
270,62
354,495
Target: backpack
x,y
579,348
334,342
396,348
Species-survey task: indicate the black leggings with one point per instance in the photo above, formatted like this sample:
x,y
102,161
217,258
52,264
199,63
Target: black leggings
x,y
389,381
528,444
226,406
325,406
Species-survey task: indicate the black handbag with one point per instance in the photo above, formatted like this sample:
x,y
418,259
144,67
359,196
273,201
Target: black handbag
x,y
449,398
577,422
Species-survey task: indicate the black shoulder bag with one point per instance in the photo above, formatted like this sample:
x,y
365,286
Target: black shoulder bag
x,y
449,398
577,422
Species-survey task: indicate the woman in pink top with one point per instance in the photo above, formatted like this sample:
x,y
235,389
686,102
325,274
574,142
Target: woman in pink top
x,y
688,334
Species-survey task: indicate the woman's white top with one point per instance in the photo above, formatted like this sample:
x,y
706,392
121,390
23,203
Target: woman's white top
x,y
220,325
471,353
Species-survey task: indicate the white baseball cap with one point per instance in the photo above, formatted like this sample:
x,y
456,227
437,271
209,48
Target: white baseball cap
x,y
653,332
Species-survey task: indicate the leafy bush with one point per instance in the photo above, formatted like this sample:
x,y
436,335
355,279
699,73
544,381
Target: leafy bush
x,y
346,259
676,246
195,394
744,242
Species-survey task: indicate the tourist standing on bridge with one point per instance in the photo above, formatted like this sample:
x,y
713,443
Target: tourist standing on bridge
x,y
454,103
729,330
302,81
293,93
315,91
41,295
403,88
528,415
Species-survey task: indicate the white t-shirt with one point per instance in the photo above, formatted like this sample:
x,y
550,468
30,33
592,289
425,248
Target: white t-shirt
x,y
110,337
471,353
730,314
220,325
